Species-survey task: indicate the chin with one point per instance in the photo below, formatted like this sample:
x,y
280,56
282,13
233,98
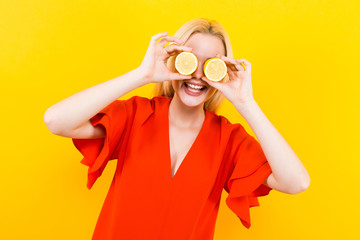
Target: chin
x,y
193,99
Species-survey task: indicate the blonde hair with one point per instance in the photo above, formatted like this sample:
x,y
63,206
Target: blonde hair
x,y
200,25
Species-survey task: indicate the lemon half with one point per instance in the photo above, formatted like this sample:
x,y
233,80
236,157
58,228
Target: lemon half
x,y
186,63
215,69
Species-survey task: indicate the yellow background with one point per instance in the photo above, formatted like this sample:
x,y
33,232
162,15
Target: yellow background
x,y
305,74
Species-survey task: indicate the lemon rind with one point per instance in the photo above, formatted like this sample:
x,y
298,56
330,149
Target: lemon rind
x,y
207,65
195,61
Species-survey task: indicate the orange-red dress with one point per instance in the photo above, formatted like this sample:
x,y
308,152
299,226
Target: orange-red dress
x,y
144,201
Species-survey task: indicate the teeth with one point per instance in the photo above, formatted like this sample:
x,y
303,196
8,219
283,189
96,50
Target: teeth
x,y
194,90
194,86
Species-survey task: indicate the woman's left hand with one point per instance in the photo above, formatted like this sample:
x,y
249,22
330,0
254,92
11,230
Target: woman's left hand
x,y
239,88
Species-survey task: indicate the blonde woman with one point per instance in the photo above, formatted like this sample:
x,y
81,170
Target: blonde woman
x,y
175,153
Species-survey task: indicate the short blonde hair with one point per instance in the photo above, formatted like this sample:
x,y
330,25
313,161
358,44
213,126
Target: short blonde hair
x,y
200,25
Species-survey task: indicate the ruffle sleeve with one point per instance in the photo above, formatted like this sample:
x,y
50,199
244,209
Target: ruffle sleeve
x,y
245,184
98,151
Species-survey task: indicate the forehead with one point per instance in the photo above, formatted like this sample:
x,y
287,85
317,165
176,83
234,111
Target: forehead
x,y
205,45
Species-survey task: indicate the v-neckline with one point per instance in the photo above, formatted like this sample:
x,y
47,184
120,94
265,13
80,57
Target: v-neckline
x,y
194,144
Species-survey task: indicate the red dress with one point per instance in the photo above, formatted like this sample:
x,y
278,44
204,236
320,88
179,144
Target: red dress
x,y
144,201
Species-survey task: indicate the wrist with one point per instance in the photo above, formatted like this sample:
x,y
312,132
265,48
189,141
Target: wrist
x,y
142,76
244,107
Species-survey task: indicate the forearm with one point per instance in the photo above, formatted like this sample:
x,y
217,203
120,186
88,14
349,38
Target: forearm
x,y
73,111
288,171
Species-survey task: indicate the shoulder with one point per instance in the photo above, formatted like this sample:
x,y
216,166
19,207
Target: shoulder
x,y
135,100
140,108
234,130
144,101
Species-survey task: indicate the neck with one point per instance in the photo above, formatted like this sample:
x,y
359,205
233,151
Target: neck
x,y
184,116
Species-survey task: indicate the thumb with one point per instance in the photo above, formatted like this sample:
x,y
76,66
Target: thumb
x,y
213,84
178,76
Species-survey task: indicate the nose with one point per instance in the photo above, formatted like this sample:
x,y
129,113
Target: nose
x,y
199,73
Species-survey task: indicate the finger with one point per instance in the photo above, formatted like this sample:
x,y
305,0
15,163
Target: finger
x,y
212,83
178,76
241,64
231,75
232,63
232,68
175,48
164,40
156,37
244,62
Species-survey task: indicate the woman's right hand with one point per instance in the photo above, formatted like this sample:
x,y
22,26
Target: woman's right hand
x,y
154,65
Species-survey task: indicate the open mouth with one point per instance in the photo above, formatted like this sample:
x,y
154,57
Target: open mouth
x,y
194,88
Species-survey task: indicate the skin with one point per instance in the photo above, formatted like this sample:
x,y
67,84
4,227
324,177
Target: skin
x,y
186,112
70,117
288,173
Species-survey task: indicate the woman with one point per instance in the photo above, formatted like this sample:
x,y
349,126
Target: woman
x,y
175,154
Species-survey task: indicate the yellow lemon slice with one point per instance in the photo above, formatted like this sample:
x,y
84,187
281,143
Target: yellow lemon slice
x,y
186,63
215,69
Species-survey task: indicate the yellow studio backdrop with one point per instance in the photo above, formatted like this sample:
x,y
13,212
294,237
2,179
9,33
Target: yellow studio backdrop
x,y
305,76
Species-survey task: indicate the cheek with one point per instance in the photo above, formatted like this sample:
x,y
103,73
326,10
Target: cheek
x,y
175,85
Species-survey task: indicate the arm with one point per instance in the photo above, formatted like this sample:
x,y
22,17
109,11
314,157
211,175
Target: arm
x,y
71,116
288,173
68,116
